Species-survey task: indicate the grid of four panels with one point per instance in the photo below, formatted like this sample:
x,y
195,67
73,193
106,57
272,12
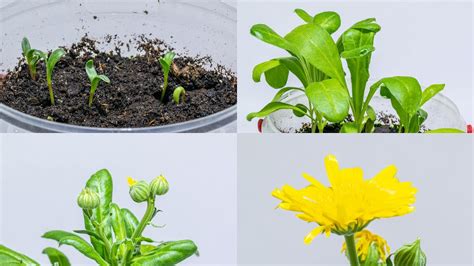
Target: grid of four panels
x,y
236,132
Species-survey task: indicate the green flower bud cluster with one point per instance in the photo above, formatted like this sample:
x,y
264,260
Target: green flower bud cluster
x,y
141,191
410,254
88,199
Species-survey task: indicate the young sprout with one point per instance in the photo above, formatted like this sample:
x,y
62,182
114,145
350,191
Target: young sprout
x,y
166,63
179,92
94,78
51,61
32,56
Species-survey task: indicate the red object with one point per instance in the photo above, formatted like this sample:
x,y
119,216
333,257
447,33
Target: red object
x,y
259,125
469,128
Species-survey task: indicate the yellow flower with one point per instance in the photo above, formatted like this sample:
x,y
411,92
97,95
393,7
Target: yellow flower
x,y
350,203
364,239
131,181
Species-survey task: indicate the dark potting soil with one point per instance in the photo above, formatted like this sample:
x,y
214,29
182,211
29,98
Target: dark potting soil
x,y
385,123
132,99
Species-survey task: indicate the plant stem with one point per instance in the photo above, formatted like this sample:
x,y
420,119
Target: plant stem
x,y
150,210
351,250
51,95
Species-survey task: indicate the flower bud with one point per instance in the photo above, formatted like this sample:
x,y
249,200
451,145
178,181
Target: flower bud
x,y
410,254
88,199
159,186
139,191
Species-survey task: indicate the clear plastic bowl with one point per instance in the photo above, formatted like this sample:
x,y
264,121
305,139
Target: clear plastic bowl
x,y
442,113
191,27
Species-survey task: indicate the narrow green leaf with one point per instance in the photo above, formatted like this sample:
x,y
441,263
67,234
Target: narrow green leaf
x,y
430,92
445,130
304,15
317,47
276,75
53,60
66,238
11,257
56,257
329,20
25,46
329,98
167,254
272,107
118,225
88,232
131,222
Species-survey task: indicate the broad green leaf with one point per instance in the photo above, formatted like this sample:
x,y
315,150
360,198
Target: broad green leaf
x,y
350,127
329,20
358,52
282,91
445,130
144,249
131,222
276,74
118,226
11,257
272,107
329,98
302,107
66,238
295,67
266,34
178,94
167,254
90,70
53,59
317,47
25,46
367,25
304,15
100,182
56,257
430,92
406,91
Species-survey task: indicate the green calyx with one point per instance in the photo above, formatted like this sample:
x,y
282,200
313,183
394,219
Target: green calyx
x,y
88,199
140,191
159,186
410,254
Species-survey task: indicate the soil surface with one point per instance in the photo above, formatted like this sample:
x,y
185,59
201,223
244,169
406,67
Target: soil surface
x,y
385,123
132,99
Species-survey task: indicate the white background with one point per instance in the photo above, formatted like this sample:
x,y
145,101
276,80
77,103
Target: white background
x,y
439,166
43,174
429,40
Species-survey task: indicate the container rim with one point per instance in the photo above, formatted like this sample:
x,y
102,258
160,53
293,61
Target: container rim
x,y
36,124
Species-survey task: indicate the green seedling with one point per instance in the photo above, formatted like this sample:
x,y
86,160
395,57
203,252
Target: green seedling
x,y
166,63
115,233
51,61
178,93
94,79
32,57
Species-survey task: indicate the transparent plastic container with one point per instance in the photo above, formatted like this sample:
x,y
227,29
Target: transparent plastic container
x,y
442,113
191,27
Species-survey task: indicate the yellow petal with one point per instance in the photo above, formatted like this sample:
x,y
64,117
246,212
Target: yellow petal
x,y
316,231
131,181
332,168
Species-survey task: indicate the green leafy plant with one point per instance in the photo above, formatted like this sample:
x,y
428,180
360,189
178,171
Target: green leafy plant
x,y
178,93
116,234
166,61
32,57
94,79
51,61
315,59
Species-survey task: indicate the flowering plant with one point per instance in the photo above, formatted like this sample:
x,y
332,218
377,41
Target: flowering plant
x,y
116,234
348,206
